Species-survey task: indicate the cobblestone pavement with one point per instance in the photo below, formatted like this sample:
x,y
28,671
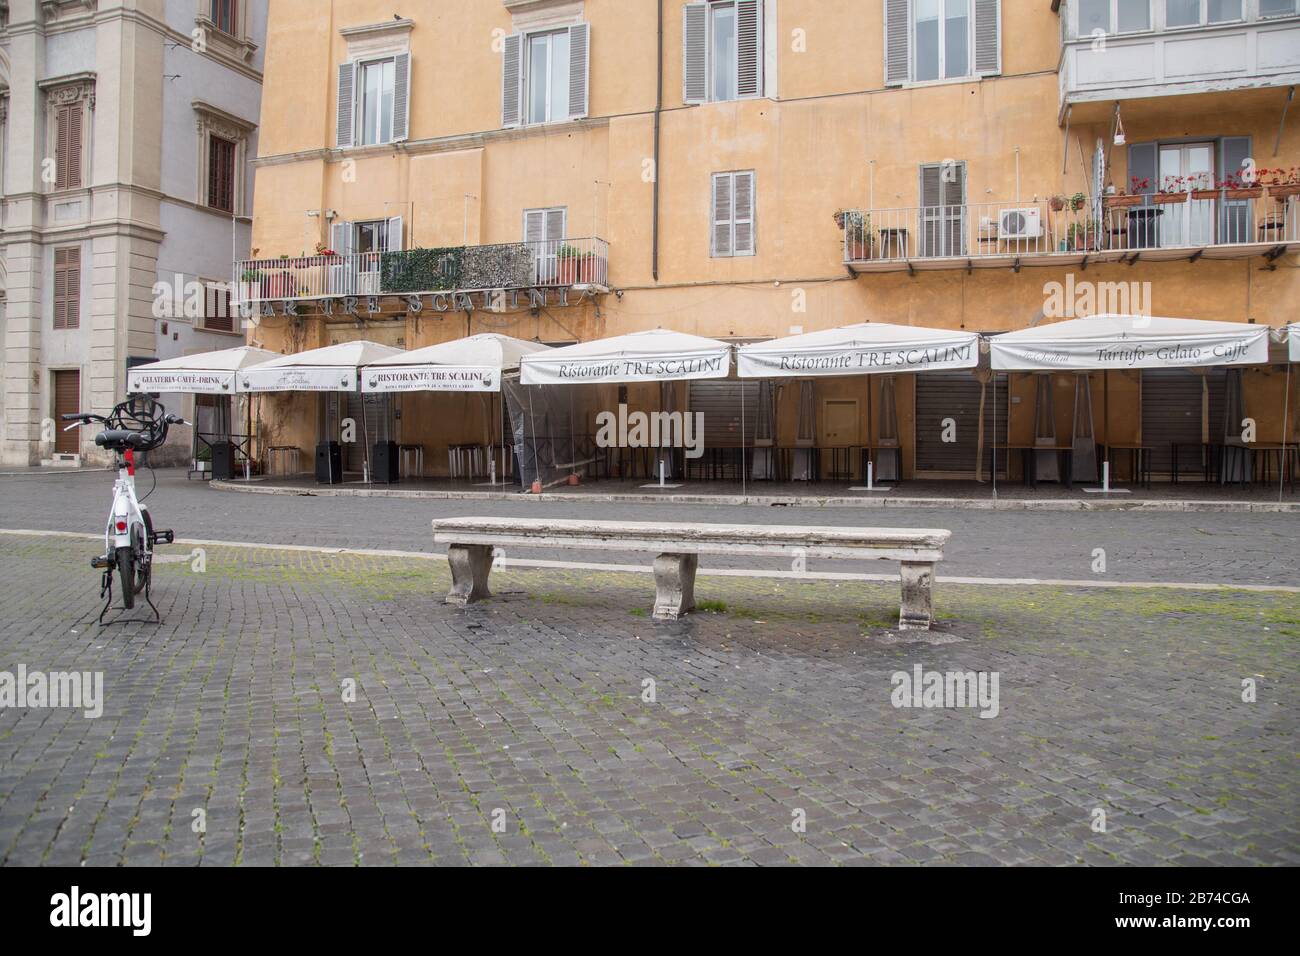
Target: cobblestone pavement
x,y
528,711
1224,548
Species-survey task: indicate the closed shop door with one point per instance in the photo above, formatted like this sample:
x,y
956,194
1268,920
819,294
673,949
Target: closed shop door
x,y
67,401
1172,412
956,395
720,401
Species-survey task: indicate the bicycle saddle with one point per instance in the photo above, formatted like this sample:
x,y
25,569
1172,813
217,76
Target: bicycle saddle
x,y
120,438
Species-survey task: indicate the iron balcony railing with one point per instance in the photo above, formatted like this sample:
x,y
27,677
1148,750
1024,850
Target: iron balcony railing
x,y
1194,220
551,263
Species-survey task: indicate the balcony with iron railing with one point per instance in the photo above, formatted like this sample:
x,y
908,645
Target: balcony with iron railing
x,y
581,264
1223,223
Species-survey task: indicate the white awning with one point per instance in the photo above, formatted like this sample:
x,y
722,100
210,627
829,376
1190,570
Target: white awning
x,y
331,369
472,364
204,373
1130,341
659,355
1293,337
861,349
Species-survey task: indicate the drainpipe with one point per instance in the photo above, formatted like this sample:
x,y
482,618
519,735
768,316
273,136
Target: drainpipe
x,y
659,105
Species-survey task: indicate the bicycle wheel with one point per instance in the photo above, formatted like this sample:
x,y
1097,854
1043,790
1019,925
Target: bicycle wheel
x,y
126,574
144,553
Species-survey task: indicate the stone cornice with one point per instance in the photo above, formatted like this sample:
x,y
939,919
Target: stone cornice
x,y
403,25
220,122
442,144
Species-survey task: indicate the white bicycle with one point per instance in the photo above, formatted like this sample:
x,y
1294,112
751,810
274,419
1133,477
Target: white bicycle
x,y
134,426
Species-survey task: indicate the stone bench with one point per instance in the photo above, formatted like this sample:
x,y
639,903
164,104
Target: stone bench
x,y
678,546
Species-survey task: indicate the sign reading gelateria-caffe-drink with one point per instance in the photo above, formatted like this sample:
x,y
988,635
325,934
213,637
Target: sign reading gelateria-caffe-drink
x,y
431,378
201,383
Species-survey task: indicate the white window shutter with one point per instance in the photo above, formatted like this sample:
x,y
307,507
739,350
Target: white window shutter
x,y
695,52
579,69
347,101
393,235
742,214
401,96
341,237
749,48
722,195
512,80
555,223
534,225
898,42
988,37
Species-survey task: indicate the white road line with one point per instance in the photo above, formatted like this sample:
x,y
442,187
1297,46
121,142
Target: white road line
x,y
706,572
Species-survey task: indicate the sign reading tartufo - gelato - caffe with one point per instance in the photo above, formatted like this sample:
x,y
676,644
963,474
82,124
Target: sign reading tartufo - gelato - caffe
x,y
299,379
435,378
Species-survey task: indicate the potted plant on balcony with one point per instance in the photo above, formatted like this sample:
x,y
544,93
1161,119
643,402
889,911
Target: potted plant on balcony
x,y
1281,183
591,269
859,239
1084,235
567,258
1115,200
1173,189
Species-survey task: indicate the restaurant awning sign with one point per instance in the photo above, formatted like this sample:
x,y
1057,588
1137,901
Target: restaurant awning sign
x,y
1129,342
297,378
434,378
862,349
659,355
176,380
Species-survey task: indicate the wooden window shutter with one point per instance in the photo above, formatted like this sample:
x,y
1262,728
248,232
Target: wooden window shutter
x,y
67,147
555,222
401,96
579,69
695,52
988,37
393,238
67,288
722,205
749,48
347,103
512,80
898,42
534,225
742,214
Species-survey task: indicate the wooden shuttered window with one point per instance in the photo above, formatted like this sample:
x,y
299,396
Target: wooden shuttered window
x,y
698,44
512,81
988,37
943,210
346,132
579,69
695,52
401,96
67,147
732,231
898,42
749,48
217,316
67,287
221,174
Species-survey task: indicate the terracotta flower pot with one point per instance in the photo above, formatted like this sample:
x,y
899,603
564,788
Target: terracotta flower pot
x,y
1246,192
1285,190
1113,201
1166,198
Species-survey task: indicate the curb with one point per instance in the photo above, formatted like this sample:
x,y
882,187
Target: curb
x,y
795,501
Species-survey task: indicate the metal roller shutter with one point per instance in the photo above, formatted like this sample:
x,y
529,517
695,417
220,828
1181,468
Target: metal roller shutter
x,y
956,395
67,401
1171,412
720,402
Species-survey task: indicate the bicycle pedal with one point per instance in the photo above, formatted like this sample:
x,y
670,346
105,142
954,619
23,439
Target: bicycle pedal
x,y
99,563
163,537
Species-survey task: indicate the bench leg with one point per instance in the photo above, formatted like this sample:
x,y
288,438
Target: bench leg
x,y
916,613
470,565
675,585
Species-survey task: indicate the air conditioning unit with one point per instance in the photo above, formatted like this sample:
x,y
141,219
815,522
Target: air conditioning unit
x,y
1023,223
